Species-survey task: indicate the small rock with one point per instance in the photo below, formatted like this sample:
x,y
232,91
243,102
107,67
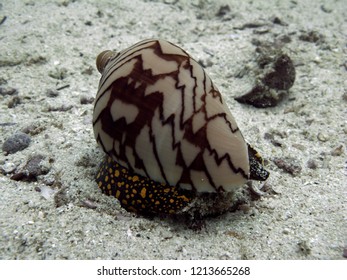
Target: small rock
x,y
245,208
252,24
34,128
52,93
344,96
276,75
88,71
3,81
262,96
41,215
31,170
277,20
282,75
338,151
58,108
283,39
86,100
312,164
15,100
223,10
11,60
3,18
311,37
89,204
36,59
322,137
8,91
17,142
61,198
326,9
299,146
170,2
8,167
58,73
234,234
289,165
304,247
47,192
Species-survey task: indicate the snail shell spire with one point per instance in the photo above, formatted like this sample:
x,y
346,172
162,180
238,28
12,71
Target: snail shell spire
x,y
102,59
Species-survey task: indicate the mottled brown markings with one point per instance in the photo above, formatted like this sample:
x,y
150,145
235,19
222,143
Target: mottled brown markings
x,y
197,164
118,59
131,131
147,105
202,134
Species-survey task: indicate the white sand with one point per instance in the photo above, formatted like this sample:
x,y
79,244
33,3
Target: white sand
x,y
305,220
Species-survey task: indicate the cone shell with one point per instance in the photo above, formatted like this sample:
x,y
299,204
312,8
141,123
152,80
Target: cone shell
x,y
158,114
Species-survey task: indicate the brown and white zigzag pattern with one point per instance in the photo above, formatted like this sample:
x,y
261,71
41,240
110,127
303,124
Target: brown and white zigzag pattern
x,y
158,113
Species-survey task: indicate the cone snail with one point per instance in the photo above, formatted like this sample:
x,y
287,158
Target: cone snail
x,y
168,135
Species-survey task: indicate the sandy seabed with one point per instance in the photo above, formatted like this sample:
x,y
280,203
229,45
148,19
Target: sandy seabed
x,y
48,81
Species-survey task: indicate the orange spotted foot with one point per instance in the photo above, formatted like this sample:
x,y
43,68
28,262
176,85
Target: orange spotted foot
x,y
140,194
